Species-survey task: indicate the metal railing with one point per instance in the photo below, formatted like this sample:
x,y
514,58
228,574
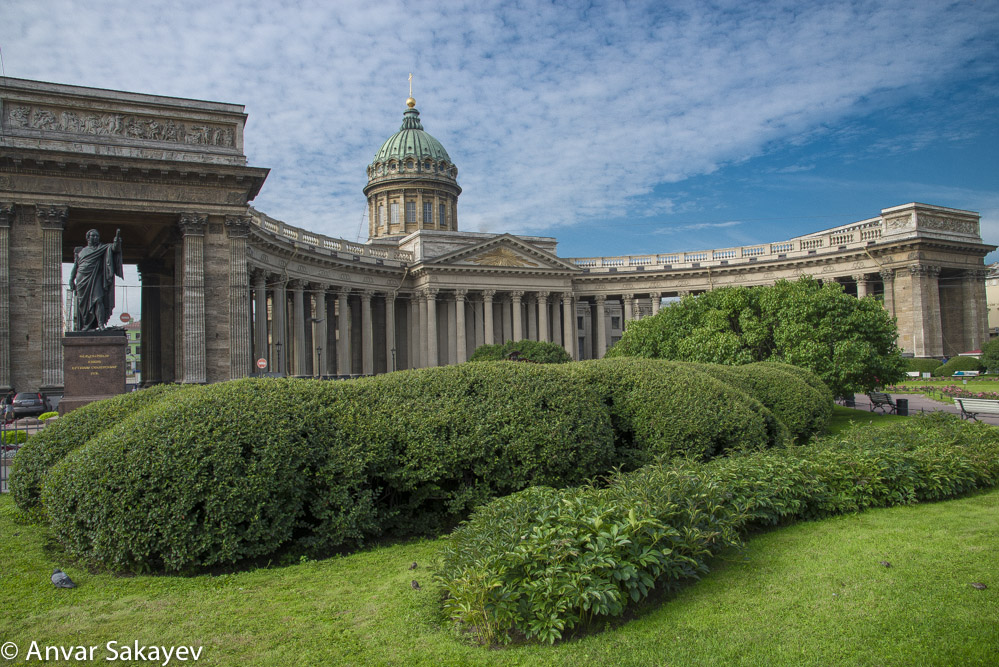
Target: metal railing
x,y
12,438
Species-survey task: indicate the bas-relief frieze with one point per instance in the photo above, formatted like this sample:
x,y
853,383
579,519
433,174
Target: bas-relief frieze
x,y
948,224
128,126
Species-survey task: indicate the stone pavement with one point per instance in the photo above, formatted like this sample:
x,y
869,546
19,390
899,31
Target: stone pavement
x,y
919,403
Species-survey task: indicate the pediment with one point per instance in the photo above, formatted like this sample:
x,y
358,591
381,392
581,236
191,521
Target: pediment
x,y
503,252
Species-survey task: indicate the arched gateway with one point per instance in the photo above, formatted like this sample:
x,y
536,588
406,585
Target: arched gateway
x,y
224,285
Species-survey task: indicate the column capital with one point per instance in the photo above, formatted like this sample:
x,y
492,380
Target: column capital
x,y
859,277
6,213
488,294
296,285
976,274
516,295
192,224
366,295
924,270
566,296
237,226
50,216
430,293
655,295
600,298
887,275
542,296
460,294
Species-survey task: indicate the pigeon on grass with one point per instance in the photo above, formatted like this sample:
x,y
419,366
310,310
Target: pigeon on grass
x,y
61,580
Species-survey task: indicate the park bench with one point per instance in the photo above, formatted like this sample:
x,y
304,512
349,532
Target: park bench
x,y
972,407
882,401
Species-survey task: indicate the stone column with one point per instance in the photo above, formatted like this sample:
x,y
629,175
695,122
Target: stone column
x,y
432,351
888,278
367,335
518,324
321,324
52,220
240,345
6,219
413,328
983,308
863,285
656,298
192,227
629,309
600,324
487,317
343,355
478,323
543,316
151,276
279,313
531,306
299,350
569,325
260,315
459,325
390,348
975,334
555,317
924,311
329,329
424,355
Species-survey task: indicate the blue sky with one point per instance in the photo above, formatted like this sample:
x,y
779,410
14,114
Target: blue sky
x,y
619,128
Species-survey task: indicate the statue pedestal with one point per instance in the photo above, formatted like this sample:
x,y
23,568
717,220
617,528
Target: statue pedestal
x,y
93,366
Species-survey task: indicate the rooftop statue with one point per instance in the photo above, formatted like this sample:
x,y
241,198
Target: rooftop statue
x,y
92,281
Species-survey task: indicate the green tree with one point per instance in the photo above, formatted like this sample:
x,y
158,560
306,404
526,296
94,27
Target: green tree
x,y
990,356
850,343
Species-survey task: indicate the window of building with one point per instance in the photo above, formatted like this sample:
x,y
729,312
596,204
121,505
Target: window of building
x,y
394,213
615,322
442,216
138,349
381,215
138,335
579,322
428,213
411,211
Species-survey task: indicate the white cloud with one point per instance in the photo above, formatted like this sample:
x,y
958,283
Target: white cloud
x,y
553,114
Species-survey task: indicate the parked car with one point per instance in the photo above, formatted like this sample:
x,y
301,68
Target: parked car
x,y
27,403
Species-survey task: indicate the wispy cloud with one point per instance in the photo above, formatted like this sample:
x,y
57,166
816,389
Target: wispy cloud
x,y
554,114
695,227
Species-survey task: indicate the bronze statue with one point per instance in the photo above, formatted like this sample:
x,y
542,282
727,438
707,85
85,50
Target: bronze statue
x,y
92,280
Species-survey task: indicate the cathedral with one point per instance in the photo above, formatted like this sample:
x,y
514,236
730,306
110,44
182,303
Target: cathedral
x,y
228,291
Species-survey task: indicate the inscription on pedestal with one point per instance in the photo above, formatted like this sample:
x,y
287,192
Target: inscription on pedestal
x,y
94,367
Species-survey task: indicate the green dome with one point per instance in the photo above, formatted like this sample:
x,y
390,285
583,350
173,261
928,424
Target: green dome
x,y
411,141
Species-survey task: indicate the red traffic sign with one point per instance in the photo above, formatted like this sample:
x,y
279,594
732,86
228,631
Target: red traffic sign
x,y
126,318
261,363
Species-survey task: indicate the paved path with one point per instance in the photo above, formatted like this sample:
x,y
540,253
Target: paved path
x,y
919,403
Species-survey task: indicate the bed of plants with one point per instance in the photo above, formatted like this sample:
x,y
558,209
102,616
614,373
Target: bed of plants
x,y
543,562
180,479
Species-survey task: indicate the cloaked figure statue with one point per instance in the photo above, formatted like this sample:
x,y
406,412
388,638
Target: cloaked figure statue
x,y
92,280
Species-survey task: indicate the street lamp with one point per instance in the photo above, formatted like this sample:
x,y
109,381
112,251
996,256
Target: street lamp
x,y
279,360
319,356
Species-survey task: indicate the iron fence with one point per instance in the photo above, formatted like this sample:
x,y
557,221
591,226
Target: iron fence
x,y
12,437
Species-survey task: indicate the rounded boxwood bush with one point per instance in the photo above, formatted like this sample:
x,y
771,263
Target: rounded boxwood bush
x,y
957,364
801,407
922,365
527,350
245,469
671,408
69,432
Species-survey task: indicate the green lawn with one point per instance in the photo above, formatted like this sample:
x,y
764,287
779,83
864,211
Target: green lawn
x,y
939,383
846,418
811,593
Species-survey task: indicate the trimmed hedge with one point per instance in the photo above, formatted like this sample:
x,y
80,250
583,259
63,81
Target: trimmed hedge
x,y
242,469
803,409
665,408
957,364
922,365
529,350
253,468
542,562
56,440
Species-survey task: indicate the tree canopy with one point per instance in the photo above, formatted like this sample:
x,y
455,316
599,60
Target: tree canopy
x,y
850,343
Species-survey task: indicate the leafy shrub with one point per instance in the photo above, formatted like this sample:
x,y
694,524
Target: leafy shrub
x,y
921,365
47,415
957,364
64,435
802,408
542,562
242,469
14,437
528,350
666,408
